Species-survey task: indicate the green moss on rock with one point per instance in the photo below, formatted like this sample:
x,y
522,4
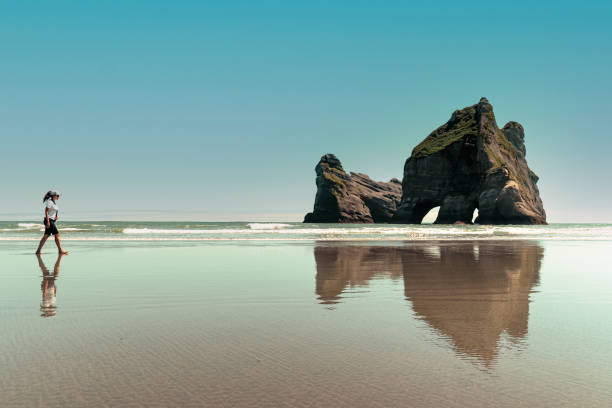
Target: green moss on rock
x,y
506,145
334,176
497,161
462,124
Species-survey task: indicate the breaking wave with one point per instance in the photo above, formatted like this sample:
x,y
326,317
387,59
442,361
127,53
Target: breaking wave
x,y
260,226
29,225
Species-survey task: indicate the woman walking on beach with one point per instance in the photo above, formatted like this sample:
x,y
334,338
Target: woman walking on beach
x,y
51,210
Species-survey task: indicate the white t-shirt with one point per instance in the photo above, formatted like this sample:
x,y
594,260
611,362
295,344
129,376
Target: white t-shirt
x,y
53,209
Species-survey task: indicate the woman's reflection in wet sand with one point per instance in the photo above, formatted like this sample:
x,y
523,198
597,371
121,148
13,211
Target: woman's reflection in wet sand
x,y
48,288
470,293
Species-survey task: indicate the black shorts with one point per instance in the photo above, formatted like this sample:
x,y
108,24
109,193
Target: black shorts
x,y
52,230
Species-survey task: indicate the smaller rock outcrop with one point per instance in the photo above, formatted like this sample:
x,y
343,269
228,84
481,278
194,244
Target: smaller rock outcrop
x,y
352,198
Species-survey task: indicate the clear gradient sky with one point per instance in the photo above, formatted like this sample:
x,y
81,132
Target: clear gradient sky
x,y
220,110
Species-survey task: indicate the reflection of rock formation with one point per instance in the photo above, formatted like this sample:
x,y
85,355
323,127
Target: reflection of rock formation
x,y
470,292
339,267
475,292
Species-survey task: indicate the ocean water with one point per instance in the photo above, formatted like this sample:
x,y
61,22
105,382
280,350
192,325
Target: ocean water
x,y
293,315
293,231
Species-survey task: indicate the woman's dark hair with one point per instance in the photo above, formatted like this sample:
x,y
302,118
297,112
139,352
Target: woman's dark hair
x,y
48,195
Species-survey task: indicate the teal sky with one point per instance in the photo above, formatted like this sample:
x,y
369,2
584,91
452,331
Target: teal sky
x,y
220,110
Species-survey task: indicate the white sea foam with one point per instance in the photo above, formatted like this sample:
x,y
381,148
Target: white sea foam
x,y
34,226
168,231
432,232
319,231
306,231
306,239
267,226
29,225
312,232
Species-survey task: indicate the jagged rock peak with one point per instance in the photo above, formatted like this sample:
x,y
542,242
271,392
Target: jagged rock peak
x,y
515,133
331,160
353,197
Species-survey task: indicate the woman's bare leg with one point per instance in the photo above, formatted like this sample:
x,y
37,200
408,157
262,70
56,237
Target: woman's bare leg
x,y
59,244
42,242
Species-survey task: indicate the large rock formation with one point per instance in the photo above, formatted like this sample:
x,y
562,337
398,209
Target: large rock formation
x,y
467,164
353,197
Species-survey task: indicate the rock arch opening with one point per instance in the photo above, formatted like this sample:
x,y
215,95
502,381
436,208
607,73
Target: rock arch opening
x,y
431,216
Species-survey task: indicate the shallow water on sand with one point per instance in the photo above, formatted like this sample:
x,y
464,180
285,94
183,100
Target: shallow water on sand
x,y
373,324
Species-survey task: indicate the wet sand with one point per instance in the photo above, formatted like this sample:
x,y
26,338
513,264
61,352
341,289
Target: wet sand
x,y
424,324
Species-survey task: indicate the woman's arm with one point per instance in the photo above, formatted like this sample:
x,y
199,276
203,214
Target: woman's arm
x,y
47,217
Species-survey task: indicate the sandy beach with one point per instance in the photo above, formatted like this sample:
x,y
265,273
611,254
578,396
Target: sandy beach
x,y
305,204
345,324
